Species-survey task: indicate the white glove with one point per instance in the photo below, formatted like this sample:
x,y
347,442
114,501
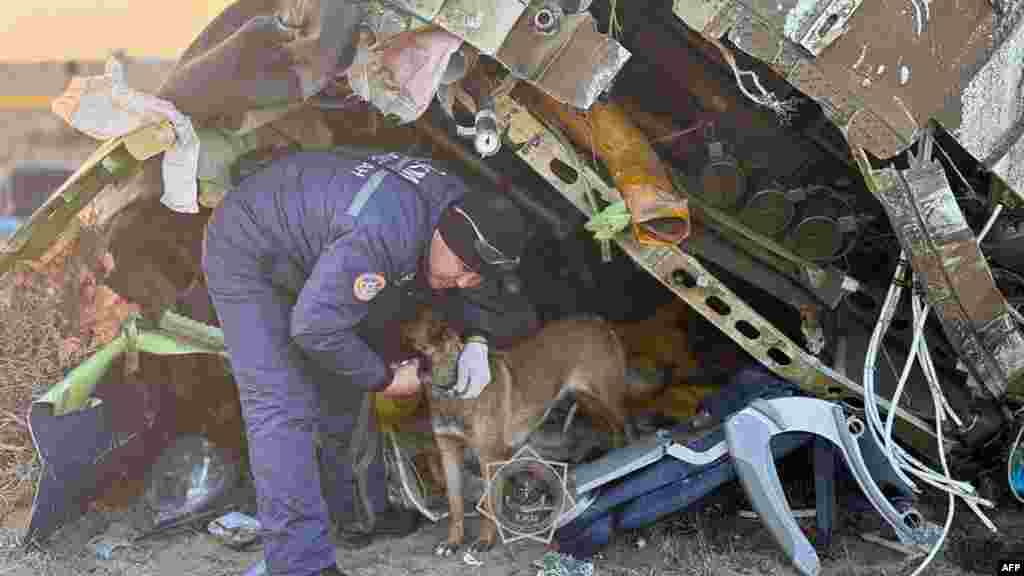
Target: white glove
x,y
474,372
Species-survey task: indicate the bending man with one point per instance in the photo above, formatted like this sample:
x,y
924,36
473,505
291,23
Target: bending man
x,y
310,264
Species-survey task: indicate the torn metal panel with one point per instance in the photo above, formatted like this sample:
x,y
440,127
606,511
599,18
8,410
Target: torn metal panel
x,y
882,76
561,53
701,15
387,19
529,54
483,23
573,63
955,276
425,9
89,426
80,453
987,116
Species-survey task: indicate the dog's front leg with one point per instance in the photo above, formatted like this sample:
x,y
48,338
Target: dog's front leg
x,y
488,529
452,456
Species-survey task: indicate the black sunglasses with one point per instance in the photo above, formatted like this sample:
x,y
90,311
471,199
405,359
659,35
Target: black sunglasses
x,y
487,252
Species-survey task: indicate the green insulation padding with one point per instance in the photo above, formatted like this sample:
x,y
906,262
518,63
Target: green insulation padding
x,y
608,223
176,335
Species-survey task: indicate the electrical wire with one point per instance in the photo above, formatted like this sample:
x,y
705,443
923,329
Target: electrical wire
x,y
884,319
941,481
896,456
904,460
890,419
991,221
932,378
936,394
882,433
1016,314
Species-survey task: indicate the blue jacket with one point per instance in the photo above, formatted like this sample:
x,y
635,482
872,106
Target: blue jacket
x,y
315,234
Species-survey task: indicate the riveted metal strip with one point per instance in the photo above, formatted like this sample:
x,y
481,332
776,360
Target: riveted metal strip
x,y
955,276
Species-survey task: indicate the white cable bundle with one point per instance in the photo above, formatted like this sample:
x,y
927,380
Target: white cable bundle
x,y
882,434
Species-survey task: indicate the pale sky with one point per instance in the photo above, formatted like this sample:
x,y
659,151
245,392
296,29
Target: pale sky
x,y
85,29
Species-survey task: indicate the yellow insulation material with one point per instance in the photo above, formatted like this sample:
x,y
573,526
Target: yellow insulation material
x,y
663,341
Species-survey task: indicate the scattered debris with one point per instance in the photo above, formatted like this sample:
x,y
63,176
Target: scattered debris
x,y
471,560
904,75
236,530
556,564
257,569
804,513
860,59
910,551
188,478
104,546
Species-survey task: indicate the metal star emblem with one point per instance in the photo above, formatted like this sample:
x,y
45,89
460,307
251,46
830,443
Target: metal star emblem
x,y
525,456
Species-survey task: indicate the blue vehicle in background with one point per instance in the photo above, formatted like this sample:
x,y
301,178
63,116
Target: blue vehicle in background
x,y
24,189
8,225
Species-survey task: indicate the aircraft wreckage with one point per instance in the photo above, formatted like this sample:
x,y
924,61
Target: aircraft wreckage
x,y
857,161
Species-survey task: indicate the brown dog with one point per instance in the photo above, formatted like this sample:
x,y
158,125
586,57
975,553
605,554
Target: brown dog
x,y
580,356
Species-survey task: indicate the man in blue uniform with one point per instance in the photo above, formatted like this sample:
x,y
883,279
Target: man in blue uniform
x,y
310,263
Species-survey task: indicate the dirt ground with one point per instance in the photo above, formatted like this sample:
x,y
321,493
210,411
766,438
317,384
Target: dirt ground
x,y
709,540
712,540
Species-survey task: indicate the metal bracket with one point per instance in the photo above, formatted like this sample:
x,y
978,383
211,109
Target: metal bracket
x,y
749,433
686,277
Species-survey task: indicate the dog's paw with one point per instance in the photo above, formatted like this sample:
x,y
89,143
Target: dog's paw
x,y
481,546
445,549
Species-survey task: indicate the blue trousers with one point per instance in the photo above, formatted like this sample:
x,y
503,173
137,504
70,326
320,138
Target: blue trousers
x,y
285,400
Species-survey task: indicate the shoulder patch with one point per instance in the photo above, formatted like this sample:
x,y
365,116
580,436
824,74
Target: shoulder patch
x,y
368,285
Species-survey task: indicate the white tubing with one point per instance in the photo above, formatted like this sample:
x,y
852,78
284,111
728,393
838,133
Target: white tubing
x,y
945,466
882,433
891,417
991,221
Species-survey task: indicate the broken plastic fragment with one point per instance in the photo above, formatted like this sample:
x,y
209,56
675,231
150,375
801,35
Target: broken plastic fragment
x,y
188,478
104,547
470,560
235,530
556,564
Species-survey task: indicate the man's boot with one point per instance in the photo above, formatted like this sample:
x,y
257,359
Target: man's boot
x,y
393,522
353,473
370,490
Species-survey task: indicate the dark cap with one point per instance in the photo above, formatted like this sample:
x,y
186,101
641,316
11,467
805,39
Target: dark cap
x,y
486,231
